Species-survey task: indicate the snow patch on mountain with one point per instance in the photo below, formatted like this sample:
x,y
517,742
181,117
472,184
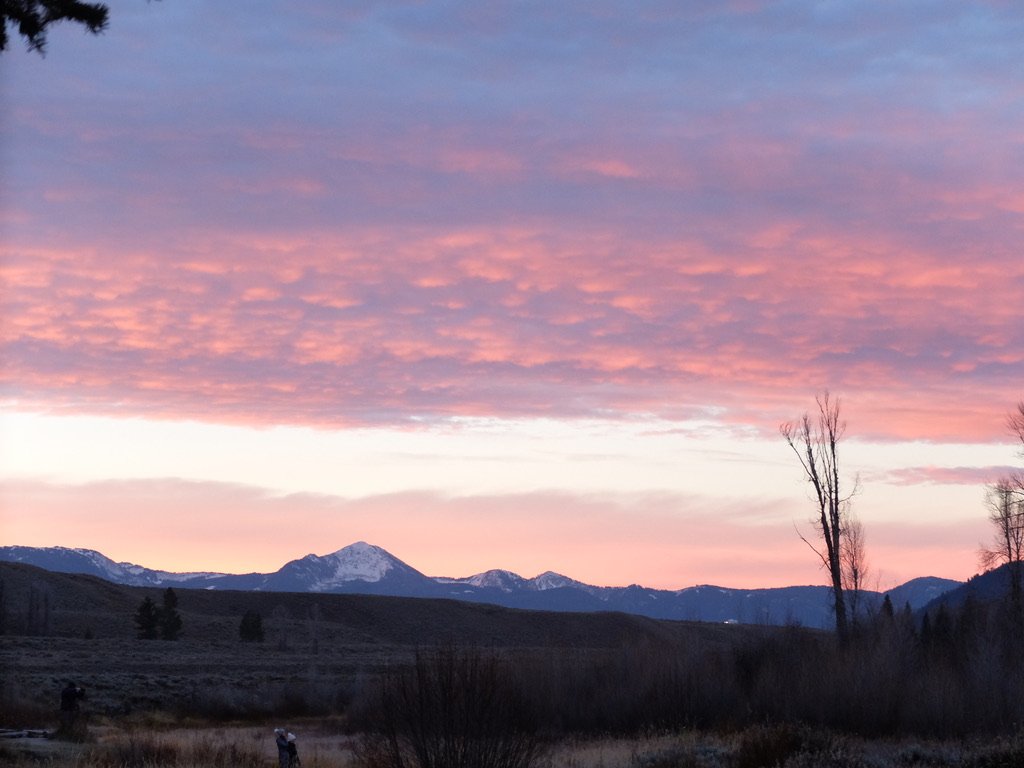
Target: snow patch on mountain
x,y
359,562
496,578
183,577
100,562
159,576
552,580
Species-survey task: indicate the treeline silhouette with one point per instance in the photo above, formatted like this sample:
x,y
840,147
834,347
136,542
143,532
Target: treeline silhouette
x,y
955,670
951,672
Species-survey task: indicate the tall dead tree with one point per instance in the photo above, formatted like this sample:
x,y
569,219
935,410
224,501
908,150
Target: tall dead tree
x,y
815,441
1015,422
1005,502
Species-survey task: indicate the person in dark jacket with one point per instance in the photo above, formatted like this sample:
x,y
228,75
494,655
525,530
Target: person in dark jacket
x,y
70,695
293,752
281,739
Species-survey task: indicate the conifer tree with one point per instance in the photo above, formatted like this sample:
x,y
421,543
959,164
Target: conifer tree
x,y
147,619
887,610
250,630
907,614
31,18
926,631
169,620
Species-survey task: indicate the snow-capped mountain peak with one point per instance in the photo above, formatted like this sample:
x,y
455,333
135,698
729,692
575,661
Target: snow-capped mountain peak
x,y
496,578
89,561
367,569
552,580
357,567
360,562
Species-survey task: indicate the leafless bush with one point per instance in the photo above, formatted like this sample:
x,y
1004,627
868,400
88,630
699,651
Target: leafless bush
x,y
768,746
146,750
451,709
20,711
136,751
675,757
1004,753
887,680
299,698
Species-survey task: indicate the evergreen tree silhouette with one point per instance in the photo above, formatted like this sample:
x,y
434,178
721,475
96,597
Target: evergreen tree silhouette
x,y
147,619
169,620
31,18
887,610
250,630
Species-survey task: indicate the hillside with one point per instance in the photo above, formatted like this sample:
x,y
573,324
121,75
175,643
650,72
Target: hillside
x,y
988,587
318,644
81,605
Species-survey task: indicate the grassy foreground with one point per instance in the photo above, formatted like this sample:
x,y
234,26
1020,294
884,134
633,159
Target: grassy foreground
x,y
324,745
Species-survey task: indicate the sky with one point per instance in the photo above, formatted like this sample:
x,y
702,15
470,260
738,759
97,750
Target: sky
x,y
518,285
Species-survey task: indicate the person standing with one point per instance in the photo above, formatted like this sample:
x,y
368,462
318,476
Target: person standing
x,y
281,739
287,752
70,695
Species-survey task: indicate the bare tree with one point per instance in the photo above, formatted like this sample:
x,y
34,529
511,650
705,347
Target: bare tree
x,y
815,441
855,566
1005,502
1015,422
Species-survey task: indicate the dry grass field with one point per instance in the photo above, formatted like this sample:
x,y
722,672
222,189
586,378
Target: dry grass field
x,y
165,745
253,747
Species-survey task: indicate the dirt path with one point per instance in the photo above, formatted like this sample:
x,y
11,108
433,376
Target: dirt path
x,y
37,743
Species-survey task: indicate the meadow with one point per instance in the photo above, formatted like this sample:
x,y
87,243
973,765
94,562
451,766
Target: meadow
x,y
373,682
157,741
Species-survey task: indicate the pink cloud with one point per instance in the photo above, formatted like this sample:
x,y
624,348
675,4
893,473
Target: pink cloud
x,y
975,476
570,213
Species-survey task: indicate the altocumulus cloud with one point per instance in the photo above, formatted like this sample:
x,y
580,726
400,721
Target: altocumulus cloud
x,y
432,211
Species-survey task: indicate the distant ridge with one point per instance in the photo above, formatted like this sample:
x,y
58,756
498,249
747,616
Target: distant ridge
x,y
985,587
363,568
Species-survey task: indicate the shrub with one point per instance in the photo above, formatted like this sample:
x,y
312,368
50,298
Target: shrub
x,y
450,709
146,751
672,757
19,710
768,746
250,629
1006,753
136,752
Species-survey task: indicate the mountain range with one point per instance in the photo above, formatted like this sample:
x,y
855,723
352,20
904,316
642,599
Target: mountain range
x,y
363,568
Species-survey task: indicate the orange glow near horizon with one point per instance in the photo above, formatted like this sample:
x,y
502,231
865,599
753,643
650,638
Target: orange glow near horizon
x,y
202,527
